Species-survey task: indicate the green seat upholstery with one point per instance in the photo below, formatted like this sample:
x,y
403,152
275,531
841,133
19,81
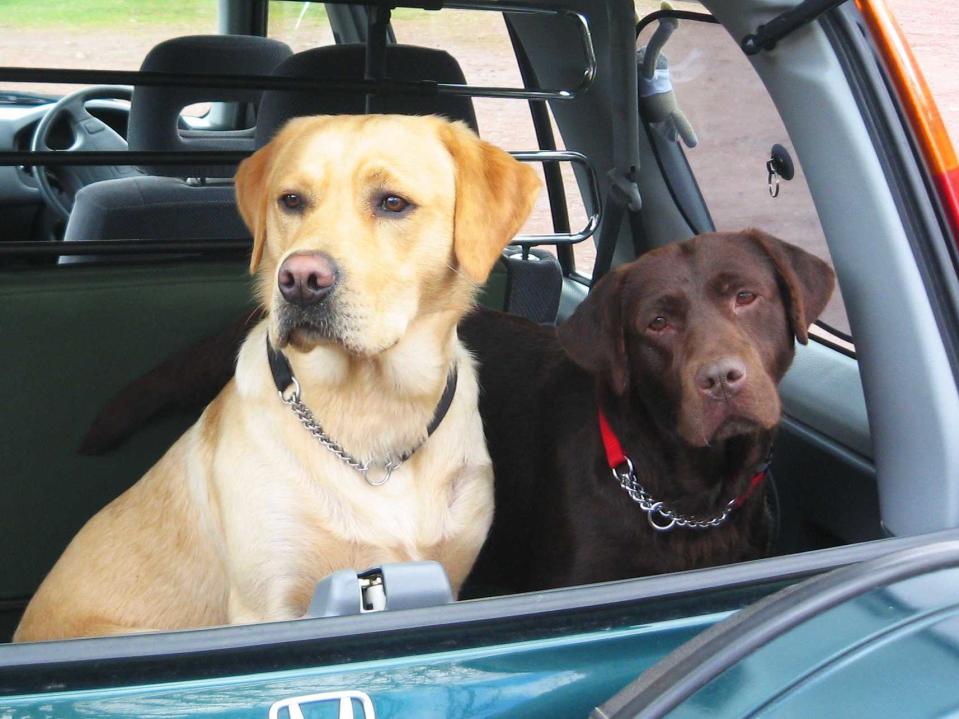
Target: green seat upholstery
x,y
71,337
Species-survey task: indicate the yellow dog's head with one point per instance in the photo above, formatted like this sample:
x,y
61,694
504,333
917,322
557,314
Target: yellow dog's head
x,y
362,224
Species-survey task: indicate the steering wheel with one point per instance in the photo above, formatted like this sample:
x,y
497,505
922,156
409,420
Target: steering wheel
x,y
89,134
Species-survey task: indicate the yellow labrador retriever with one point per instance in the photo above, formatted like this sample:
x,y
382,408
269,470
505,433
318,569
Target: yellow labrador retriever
x,y
371,235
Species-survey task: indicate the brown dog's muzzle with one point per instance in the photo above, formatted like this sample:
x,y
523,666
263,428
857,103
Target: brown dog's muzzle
x,y
306,278
726,393
722,379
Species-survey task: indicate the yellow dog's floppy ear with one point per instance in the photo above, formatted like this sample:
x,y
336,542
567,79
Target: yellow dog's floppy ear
x,y
252,197
494,196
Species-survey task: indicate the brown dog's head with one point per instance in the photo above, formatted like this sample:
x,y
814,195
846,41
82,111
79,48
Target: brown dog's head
x,y
700,332
362,224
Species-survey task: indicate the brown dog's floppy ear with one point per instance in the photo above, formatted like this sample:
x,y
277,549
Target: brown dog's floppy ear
x,y
594,336
494,196
252,197
807,280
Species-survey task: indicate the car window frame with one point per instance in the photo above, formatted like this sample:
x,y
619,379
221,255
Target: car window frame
x,y
592,598
917,202
217,652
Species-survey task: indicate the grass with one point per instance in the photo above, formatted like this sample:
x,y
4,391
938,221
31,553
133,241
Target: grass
x,y
107,13
141,13
201,13
282,13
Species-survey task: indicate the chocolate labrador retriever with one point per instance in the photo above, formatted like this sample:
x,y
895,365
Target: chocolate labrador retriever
x,y
630,441
633,440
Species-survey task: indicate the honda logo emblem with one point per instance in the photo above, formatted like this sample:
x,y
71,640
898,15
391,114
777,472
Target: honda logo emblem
x,y
345,699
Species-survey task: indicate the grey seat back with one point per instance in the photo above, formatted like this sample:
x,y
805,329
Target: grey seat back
x,y
346,62
155,111
161,204
152,207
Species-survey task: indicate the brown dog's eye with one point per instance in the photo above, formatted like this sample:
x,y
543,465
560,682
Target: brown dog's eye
x,y
745,297
658,324
393,203
292,201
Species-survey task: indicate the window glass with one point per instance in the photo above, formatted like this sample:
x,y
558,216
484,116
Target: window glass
x,y
930,28
93,34
301,25
736,126
644,7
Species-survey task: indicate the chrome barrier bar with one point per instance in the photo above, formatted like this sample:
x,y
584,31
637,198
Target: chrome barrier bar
x,y
125,247
119,158
213,246
586,40
593,200
214,82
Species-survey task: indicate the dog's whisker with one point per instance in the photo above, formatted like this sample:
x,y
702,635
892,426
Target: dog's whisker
x,y
456,270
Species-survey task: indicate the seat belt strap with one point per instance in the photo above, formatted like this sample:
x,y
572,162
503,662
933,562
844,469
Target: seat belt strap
x,y
623,197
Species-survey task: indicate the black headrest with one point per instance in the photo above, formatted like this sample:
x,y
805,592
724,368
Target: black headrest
x,y
154,111
346,62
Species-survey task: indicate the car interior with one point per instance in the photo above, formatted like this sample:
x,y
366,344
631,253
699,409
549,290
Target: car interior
x,y
866,448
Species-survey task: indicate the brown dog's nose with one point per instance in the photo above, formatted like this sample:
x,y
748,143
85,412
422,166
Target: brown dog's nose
x,y
305,278
723,378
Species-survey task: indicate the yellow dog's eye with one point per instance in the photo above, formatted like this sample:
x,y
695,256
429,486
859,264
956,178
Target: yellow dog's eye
x,y
393,203
292,201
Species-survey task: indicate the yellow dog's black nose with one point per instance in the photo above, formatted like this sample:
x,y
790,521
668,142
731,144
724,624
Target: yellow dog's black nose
x,y
305,278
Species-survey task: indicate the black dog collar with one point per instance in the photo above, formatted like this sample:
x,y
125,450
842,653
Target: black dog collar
x,y
284,379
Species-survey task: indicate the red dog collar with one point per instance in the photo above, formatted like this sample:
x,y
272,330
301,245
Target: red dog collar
x,y
622,469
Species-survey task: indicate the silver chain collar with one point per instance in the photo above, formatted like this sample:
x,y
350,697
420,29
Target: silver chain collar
x,y
656,509
291,398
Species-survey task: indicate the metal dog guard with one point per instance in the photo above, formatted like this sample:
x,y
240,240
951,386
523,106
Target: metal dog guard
x,y
214,246
377,36
374,85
